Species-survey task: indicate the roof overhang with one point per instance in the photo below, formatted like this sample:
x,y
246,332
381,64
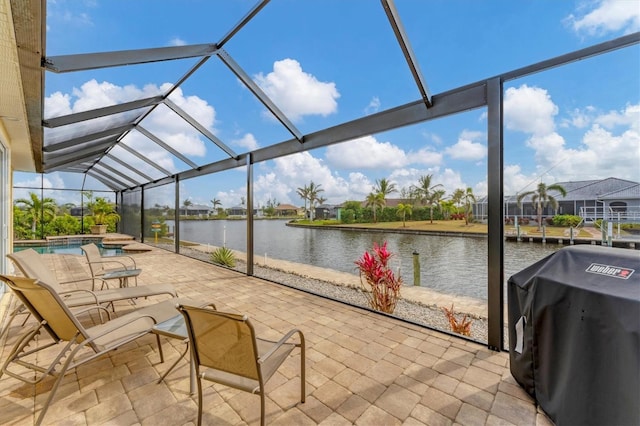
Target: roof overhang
x,y
21,81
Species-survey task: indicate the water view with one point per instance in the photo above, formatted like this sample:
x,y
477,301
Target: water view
x,y
454,265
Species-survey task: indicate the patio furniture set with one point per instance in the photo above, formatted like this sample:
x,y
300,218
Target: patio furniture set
x,y
223,346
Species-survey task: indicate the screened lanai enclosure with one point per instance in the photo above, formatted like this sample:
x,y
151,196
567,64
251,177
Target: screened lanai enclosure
x,y
199,120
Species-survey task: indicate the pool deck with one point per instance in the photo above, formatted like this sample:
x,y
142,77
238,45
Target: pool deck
x,y
362,368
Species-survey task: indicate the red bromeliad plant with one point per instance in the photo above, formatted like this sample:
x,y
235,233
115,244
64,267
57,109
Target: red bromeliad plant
x,y
384,290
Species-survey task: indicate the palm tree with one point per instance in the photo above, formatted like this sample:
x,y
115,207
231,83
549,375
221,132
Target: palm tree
x,y
426,193
38,211
541,198
407,195
304,194
403,211
447,207
457,197
375,200
314,190
216,204
385,187
186,203
468,199
424,190
432,200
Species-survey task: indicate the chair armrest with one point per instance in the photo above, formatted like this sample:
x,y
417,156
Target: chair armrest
x,y
104,333
92,279
91,308
124,265
76,281
128,257
68,293
281,342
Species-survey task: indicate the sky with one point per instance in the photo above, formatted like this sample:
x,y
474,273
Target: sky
x,y
327,62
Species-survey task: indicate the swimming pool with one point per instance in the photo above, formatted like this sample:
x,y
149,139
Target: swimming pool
x,y
73,248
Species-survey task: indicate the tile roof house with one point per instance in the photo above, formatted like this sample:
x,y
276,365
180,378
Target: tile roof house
x,y
195,210
287,210
609,198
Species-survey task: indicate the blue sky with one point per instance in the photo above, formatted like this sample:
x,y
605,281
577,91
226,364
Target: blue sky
x,y
326,62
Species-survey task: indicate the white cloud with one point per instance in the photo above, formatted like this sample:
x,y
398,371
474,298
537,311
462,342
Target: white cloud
x,y
373,107
59,14
601,153
608,16
359,186
610,147
433,137
466,148
366,153
529,110
296,92
579,118
93,95
162,122
269,186
425,157
57,104
247,142
177,41
50,181
630,116
283,176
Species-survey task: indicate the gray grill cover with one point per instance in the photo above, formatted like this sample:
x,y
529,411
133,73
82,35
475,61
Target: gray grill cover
x,y
574,334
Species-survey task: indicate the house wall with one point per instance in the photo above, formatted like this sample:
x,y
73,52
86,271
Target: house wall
x,y
6,195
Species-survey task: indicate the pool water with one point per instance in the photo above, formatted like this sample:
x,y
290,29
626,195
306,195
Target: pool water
x,y
70,249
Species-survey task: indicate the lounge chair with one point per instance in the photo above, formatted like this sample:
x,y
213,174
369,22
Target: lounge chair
x,y
98,265
32,265
225,350
78,344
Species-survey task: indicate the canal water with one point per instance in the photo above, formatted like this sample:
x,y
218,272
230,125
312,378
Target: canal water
x,y
453,265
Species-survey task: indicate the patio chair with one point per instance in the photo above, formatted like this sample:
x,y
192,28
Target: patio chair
x,y
77,344
32,265
225,350
99,266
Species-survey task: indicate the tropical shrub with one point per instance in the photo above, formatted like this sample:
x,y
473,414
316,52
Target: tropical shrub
x,y
381,286
632,228
223,256
21,225
63,225
566,220
347,216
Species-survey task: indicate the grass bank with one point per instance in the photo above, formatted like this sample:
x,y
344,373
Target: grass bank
x,y
449,226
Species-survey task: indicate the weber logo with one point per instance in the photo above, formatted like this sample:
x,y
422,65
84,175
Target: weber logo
x,y
610,271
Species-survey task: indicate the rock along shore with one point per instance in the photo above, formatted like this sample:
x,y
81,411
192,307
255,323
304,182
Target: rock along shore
x,y
417,304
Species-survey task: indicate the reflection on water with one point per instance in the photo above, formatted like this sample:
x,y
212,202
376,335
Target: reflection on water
x,y
454,265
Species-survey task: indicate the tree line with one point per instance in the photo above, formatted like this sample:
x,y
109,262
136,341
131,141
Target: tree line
x,y
36,218
423,201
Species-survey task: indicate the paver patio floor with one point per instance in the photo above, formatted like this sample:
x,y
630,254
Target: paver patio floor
x,y
362,368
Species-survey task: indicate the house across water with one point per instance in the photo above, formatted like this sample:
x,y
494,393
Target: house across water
x,y
609,199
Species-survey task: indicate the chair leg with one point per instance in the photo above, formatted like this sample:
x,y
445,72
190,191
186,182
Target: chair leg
x,y
61,375
199,400
17,311
160,348
262,421
303,364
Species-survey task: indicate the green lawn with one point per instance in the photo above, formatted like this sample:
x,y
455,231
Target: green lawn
x,y
455,226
